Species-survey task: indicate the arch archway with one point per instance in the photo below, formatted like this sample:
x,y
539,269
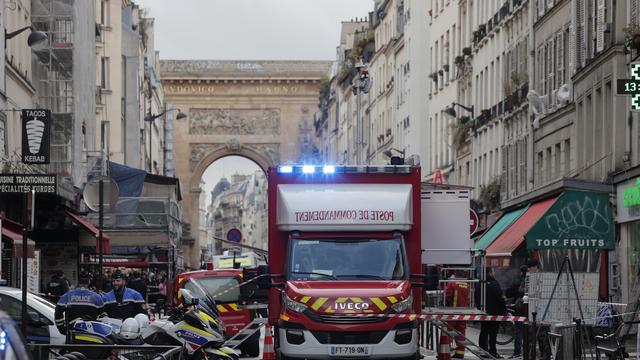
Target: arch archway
x,y
260,110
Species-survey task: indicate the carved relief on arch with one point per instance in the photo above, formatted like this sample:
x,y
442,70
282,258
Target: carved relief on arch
x,y
234,121
199,151
269,150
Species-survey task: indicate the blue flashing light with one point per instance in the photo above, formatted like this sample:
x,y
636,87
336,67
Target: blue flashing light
x,y
285,169
329,169
3,340
3,334
1,347
308,169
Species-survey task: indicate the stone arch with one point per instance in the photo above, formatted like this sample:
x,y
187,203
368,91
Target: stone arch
x,y
262,160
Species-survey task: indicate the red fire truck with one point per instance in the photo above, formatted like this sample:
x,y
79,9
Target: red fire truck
x,y
344,244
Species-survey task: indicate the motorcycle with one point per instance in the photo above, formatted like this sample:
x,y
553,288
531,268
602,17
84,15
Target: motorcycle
x,y
106,331
195,326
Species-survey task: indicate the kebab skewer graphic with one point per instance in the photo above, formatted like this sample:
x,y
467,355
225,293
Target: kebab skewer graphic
x,y
35,131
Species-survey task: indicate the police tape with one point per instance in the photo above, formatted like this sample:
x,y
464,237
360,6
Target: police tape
x,y
443,317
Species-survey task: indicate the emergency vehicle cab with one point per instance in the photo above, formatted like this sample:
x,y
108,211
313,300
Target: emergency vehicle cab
x,y
344,244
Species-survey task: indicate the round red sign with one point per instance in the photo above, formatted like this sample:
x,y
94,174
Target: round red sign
x,y
473,221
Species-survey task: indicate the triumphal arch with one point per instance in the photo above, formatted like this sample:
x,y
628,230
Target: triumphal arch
x,y
262,110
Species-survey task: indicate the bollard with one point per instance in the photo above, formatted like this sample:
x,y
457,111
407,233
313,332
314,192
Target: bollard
x,y
577,340
534,338
444,347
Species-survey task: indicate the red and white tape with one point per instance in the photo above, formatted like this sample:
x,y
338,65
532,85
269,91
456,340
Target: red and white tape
x,y
445,317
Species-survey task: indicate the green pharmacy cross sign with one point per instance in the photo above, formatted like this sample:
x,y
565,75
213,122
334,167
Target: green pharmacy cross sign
x,y
631,87
632,196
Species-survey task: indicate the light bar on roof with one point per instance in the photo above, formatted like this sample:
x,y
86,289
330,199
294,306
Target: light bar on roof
x,y
346,169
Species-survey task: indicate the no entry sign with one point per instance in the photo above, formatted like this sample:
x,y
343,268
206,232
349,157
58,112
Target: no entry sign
x,y
473,221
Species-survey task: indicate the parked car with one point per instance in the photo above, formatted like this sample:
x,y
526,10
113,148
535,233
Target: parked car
x,y
12,344
41,328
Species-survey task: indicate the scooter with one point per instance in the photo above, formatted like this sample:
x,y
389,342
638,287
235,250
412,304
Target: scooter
x,y
195,326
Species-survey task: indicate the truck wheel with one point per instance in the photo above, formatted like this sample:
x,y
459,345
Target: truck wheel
x,y
252,349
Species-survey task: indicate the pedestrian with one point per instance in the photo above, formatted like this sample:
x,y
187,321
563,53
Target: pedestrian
x,y
495,305
78,304
457,295
533,266
122,302
138,284
520,309
57,286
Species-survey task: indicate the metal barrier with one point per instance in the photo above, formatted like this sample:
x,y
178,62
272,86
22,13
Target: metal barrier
x,y
428,335
103,352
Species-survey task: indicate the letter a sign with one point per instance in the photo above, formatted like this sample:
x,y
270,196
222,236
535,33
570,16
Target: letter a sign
x,y
36,128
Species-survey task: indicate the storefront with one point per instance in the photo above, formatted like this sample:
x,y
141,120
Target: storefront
x,y
574,224
628,200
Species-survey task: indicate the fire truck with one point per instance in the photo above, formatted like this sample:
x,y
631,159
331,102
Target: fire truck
x,y
344,249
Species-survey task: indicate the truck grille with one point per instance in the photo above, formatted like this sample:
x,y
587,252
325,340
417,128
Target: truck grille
x,y
330,337
336,319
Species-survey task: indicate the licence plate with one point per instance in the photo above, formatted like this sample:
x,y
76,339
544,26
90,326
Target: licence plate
x,y
349,350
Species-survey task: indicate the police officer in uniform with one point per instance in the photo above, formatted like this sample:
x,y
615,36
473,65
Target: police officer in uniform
x,y
57,286
122,302
78,304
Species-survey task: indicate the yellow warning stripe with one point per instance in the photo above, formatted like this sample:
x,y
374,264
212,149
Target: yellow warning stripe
x,y
284,317
392,299
341,299
316,305
379,303
234,307
356,299
305,299
192,328
329,309
89,339
222,309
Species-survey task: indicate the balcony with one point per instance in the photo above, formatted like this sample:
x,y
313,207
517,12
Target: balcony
x,y
142,221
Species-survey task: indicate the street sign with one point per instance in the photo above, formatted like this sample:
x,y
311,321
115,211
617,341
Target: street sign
x,y
234,235
110,192
36,128
25,183
473,222
631,87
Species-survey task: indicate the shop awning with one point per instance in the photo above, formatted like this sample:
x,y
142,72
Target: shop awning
x,y
87,226
513,237
13,231
11,234
503,223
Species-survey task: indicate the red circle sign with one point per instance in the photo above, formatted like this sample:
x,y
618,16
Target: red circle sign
x,y
473,222
234,235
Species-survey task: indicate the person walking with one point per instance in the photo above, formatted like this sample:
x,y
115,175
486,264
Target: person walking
x,y
122,302
495,305
79,303
457,295
520,309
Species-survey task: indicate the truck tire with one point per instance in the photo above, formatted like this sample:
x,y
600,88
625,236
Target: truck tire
x,y
251,348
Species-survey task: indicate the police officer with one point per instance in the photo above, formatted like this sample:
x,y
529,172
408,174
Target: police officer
x,y
57,286
122,302
78,304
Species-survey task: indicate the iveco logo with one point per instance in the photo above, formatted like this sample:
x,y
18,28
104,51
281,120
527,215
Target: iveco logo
x,y
351,306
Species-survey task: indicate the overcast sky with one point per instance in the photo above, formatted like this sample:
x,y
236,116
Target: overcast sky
x,y
251,29
226,167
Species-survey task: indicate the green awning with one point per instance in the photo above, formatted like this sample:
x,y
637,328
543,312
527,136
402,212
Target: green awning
x,y
502,224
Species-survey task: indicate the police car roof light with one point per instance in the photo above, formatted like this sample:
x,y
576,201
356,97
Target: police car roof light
x,y
329,169
308,169
285,169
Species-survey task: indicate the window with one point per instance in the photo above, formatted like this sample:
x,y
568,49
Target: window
x,y
104,72
3,137
557,156
567,156
104,12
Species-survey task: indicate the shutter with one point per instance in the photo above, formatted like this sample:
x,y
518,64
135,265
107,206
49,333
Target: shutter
x,y
560,58
634,12
572,50
580,44
600,24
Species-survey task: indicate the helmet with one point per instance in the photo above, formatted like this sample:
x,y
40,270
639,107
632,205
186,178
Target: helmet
x,y
143,321
130,329
117,275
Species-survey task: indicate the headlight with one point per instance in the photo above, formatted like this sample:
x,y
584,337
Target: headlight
x,y
404,305
293,305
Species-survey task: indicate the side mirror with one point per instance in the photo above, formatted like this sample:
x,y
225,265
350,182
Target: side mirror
x,y
35,319
258,290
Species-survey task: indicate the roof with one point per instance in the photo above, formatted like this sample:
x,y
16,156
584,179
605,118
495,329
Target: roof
x,y
513,237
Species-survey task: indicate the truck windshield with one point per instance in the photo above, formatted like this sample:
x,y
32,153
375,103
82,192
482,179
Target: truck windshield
x,y
221,289
353,259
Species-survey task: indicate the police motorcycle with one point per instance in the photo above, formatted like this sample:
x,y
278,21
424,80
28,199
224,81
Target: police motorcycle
x,y
195,325
107,331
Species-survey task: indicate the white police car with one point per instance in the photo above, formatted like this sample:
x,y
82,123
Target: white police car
x,y
41,328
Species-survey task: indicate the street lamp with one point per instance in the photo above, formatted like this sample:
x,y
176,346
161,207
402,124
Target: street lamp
x,y
451,111
36,39
150,119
